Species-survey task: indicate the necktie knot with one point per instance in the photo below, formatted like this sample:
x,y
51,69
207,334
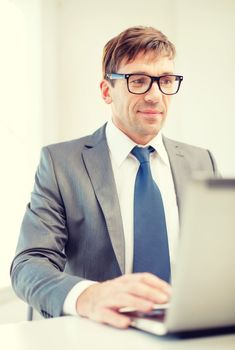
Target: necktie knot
x,y
142,153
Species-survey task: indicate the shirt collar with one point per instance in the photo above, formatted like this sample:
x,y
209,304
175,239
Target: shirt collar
x,y
120,145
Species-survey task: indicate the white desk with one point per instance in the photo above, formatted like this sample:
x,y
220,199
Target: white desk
x,y
70,333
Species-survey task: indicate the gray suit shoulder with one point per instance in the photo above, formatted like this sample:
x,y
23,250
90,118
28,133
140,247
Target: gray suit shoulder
x,y
76,146
183,145
65,153
192,152
70,145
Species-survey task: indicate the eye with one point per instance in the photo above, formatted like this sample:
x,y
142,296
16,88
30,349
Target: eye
x,y
138,80
167,80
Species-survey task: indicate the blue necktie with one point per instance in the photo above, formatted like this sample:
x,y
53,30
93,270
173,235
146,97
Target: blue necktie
x,y
151,252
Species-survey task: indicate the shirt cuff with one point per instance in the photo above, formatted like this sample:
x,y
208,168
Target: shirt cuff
x,y
69,307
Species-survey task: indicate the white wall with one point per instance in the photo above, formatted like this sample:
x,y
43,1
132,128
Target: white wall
x,y
50,68
205,41
20,117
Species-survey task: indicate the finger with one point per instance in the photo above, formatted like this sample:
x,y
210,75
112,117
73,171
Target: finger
x,y
152,280
124,299
146,286
111,317
147,292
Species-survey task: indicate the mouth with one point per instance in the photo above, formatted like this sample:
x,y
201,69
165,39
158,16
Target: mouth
x,y
151,113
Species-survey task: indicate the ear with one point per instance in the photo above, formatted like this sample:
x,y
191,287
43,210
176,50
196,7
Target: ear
x,y
105,88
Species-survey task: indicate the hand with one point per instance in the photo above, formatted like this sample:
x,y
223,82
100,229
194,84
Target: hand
x,y
102,301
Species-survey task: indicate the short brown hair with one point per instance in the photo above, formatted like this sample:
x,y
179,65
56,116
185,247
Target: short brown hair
x,y
129,43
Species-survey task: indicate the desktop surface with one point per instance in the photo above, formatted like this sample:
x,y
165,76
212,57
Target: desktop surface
x,y
78,333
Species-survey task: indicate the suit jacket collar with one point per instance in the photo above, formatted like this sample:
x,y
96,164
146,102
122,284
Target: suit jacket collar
x,y
179,167
98,164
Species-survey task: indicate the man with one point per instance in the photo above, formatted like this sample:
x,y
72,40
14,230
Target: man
x,y
77,252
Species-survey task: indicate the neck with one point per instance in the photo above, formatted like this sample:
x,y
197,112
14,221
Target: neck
x,y
140,139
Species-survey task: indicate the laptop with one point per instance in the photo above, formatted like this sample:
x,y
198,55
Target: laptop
x,y
204,283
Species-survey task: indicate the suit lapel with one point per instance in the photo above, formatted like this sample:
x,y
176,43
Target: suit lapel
x,y
98,164
179,167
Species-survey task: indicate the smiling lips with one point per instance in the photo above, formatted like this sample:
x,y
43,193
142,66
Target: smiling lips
x,y
150,112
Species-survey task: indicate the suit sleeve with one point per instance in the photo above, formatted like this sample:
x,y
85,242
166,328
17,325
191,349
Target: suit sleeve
x,y
37,269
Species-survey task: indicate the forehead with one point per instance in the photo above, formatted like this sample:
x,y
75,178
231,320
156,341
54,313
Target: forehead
x,y
148,63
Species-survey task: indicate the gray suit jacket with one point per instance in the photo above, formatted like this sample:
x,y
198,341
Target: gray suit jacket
x,y
72,229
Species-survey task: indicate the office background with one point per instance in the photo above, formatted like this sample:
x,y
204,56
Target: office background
x,y
50,69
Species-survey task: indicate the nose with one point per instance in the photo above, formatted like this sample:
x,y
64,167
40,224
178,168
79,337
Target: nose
x,y
154,94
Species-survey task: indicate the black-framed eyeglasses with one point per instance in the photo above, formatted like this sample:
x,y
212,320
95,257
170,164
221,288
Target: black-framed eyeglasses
x,y
138,84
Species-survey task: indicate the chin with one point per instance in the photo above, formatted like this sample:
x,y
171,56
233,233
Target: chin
x,y
153,129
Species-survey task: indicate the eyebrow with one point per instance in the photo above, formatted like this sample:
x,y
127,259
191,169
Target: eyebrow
x,y
145,73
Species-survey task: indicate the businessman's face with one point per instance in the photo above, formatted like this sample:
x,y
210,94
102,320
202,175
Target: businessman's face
x,y
139,116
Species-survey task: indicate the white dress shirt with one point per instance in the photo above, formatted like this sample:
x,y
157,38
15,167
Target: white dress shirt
x,y
125,167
